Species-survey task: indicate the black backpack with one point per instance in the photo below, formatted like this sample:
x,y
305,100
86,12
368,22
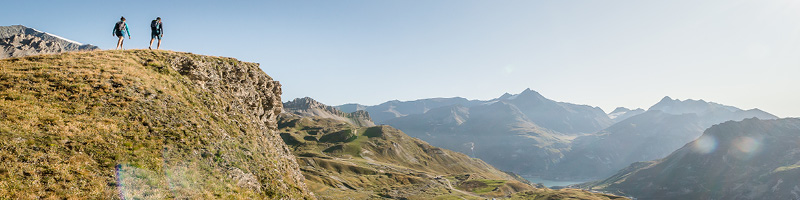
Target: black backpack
x,y
154,25
119,26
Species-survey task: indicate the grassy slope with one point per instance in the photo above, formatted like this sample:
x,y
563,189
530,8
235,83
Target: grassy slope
x,y
112,124
382,162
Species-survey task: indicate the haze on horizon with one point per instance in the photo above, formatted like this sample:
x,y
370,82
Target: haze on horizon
x,y
600,53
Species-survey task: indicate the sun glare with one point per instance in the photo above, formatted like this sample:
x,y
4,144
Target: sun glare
x,y
705,144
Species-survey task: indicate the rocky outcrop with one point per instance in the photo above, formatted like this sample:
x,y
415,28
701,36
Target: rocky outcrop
x,y
18,41
308,107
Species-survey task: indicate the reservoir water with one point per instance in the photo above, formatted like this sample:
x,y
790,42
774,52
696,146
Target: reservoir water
x,y
552,183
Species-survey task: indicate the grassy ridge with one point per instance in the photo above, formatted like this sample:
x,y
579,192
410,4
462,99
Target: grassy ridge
x,y
343,161
137,124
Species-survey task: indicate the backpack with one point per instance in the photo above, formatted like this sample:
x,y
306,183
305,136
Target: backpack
x,y
119,26
154,25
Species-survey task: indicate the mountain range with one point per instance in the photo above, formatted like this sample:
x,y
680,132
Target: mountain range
x,y
749,159
18,40
529,134
663,128
341,159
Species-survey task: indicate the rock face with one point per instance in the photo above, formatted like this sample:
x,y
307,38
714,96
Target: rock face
x,y
750,159
308,107
18,41
142,124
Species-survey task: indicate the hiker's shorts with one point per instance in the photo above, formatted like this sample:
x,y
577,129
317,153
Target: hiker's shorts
x,y
119,34
155,35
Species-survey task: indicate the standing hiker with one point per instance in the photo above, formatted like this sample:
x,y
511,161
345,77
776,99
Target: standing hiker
x,y
156,32
120,29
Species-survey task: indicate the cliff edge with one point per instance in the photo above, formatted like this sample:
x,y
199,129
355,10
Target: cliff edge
x,y
142,124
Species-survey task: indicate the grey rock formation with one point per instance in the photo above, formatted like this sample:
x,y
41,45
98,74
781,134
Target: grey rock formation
x,y
18,41
308,107
256,96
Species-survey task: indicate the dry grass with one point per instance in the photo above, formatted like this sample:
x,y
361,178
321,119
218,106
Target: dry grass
x,y
111,124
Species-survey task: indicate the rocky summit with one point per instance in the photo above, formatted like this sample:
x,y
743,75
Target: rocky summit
x,y
308,107
18,41
141,124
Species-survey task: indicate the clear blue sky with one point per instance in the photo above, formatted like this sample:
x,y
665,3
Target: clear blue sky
x,y
603,53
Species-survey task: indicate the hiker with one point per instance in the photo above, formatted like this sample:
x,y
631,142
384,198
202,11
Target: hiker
x,y
120,29
156,32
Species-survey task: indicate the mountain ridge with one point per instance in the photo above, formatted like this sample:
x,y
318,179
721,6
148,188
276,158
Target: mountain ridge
x,y
653,134
308,107
748,159
19,40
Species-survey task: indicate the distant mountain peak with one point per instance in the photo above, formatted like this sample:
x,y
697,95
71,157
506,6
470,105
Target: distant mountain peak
x,y
506,96
303,103
704,108
529,91
620,110
19,41
528,94
307,107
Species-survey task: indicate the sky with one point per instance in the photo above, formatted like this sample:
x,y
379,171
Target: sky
x,y
613,53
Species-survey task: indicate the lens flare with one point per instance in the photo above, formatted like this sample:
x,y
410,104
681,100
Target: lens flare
x,y
747,144
705,144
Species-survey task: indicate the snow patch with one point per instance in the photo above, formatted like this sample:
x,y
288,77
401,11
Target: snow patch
x,y
59,37
616,114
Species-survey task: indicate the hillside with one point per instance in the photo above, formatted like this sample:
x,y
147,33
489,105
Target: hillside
x,y
750,159
341,160
18,41
142,124
654,134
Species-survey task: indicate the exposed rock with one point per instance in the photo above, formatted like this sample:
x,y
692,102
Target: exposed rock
x,y
308,107
18,41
